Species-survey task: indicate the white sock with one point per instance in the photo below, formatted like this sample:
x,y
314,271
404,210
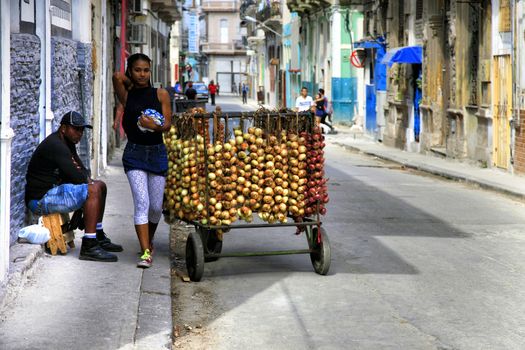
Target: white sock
x,y
90,235
99,226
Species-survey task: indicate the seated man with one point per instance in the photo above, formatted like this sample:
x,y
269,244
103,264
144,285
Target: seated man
x,y
58,182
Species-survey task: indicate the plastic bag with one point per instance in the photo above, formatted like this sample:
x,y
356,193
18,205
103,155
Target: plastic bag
x,y
157,117
35,234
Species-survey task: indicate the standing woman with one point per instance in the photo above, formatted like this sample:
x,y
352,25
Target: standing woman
x,y
212,89
145,158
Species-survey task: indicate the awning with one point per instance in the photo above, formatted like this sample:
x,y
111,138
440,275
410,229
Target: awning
x,y
370,43
406,54
367,45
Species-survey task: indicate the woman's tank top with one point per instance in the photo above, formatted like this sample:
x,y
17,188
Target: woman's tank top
x,y
139,100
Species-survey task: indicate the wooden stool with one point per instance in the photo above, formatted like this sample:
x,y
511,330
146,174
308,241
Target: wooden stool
x,y
53,222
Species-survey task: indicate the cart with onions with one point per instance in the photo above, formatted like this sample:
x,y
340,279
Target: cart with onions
x,y
224,168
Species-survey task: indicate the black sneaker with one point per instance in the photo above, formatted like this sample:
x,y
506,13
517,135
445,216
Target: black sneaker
x,y
91,250
106,243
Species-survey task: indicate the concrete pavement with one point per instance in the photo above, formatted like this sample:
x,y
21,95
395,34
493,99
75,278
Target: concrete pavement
x,y
62,302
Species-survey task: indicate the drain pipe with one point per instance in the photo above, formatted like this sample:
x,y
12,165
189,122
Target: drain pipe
x,y
84,142
43,31
6,137
123,30
515,105
104,93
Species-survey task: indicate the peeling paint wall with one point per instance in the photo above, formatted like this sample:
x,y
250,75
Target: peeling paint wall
x,y
435,69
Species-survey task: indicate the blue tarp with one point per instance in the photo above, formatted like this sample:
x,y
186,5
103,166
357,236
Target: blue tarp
x,y
406,54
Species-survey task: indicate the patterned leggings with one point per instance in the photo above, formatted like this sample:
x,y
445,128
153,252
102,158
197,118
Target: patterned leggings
x,y
148,191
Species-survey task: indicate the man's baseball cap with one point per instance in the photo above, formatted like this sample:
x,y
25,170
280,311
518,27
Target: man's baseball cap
x,y
74,119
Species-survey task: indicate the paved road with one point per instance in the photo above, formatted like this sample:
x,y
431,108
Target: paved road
x,y
230,104
417,263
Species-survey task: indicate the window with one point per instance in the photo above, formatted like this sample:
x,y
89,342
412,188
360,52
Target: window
x,y
419,9
224,31
27,16
401,24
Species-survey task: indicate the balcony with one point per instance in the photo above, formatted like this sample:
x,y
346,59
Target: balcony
x,y
255,40
169,10
234,48
307,6
248,8
271,15
352,2
220,6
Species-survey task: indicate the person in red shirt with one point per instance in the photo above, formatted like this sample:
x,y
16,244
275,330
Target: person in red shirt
x,y
212,90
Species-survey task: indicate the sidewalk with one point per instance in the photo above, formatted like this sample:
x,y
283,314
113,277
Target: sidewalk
x,y
487,178
67,303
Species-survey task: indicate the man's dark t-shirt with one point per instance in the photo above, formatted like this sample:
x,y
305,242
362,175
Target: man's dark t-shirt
x,y
54,162
191,93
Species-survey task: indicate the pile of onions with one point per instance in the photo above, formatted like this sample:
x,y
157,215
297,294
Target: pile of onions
x,y
185,182
275,174
297,174
273,179
317,194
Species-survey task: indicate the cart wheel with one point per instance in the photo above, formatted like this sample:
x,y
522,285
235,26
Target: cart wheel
x,y
194,257
321,257
213,245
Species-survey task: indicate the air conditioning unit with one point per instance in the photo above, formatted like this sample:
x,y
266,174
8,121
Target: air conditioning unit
x,y
137,34
136,6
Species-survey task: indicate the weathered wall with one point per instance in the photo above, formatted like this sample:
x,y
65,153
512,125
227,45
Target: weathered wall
x,y
399,91
25,82
435,88
519,145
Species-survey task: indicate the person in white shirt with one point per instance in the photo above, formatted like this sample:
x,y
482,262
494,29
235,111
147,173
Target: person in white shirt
x,y
304,102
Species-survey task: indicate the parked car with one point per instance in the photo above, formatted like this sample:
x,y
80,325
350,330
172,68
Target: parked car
x,y
202,90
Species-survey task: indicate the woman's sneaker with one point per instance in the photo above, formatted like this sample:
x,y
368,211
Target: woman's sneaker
x,y
146,260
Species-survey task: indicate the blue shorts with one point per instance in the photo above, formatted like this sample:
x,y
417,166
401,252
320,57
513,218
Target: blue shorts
x,y
60,199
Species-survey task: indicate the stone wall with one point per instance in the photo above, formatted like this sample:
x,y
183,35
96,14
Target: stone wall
x,y
71,70
25,119
69,58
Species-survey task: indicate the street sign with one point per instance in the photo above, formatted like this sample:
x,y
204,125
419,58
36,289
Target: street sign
x,y
193,33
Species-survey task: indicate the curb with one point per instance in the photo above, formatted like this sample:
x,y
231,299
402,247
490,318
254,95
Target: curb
x,y
23,263
438,172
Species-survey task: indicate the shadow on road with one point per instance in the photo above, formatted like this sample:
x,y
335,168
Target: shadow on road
x,y
360,216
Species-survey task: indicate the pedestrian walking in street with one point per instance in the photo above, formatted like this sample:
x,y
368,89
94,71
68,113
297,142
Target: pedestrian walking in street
x,y
58,182
190,92
321,106
212,90
178,88
145,158
218,88
244,93
303,102
260,96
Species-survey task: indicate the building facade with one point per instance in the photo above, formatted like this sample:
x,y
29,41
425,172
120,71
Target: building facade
x,y
327,31
52,64
224,46
443,103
